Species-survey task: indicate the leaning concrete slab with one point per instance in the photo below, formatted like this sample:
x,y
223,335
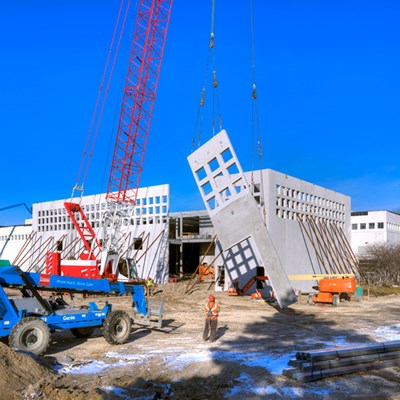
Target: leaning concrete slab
x,y
235,215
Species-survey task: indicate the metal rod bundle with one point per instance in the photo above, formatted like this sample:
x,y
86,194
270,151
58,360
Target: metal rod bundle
x,y
314,365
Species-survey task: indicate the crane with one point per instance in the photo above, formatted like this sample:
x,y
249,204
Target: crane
x,y
144,66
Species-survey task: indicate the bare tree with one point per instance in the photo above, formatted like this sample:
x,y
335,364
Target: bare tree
x,y
381,263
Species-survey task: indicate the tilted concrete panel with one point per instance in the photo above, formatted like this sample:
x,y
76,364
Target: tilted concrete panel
x,y
235,213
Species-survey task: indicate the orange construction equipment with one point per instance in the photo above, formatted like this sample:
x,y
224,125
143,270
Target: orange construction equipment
x,y
233,289
206,270
331,290
256,295
251,281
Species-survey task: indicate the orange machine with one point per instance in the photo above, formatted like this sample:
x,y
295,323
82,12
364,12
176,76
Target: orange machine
x,y
331,290
233,288
206,270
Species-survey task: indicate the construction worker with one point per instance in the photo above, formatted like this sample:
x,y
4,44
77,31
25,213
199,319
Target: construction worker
x,y
210,327
149,286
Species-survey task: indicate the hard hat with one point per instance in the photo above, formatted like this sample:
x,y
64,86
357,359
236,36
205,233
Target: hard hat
x,y
211,298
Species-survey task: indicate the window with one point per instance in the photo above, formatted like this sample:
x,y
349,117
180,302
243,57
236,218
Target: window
x,y
371,225
380,225
354,226
363,226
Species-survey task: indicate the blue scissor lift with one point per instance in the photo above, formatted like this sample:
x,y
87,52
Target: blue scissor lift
x,y
28,320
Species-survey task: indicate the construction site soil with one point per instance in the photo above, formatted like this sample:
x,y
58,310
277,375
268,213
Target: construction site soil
x,y
255,343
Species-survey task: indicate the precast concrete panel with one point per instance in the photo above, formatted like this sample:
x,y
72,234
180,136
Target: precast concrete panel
x,y
235,214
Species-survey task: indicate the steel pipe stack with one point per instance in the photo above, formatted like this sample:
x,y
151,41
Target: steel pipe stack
x,y
319,364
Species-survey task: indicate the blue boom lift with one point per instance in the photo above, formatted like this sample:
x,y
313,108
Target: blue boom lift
x,y
29,319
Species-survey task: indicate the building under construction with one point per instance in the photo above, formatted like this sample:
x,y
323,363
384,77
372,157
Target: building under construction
x,y
309,226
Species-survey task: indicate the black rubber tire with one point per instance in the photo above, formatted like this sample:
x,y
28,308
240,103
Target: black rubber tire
x,y
30,334
335,300
310,299
85,332
117,327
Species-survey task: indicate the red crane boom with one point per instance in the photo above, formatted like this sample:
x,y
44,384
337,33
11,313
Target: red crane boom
x,y
138,99
133,129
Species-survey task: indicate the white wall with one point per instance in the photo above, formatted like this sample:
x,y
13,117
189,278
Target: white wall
x,y
12,239
149,221
372,227
284,197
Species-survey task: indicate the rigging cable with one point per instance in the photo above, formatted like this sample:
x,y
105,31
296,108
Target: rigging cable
x,y
101,99
215,81
215,97
255,125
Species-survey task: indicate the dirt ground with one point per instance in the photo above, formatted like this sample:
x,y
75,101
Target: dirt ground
x,y
255,343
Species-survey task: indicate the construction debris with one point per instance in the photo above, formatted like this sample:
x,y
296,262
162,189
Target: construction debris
x,y
319,364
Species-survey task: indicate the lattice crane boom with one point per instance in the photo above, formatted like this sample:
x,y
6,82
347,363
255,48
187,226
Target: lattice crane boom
x,y
134,126
138,99
141,83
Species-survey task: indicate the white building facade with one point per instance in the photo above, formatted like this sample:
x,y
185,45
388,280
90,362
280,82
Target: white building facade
x,y
159,245
371,227
12,239
290,207
295,212
145,242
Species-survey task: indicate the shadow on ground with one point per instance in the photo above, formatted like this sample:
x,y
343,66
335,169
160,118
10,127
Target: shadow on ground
x,y
250,366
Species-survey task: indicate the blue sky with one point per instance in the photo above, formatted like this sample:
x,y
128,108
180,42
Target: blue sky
x,y
328,84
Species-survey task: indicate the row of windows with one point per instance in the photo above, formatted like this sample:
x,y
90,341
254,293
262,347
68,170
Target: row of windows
x,y
371,225
290,202
57,220
155,201
63,227
23,236
310,198
298,206
393,227
97,216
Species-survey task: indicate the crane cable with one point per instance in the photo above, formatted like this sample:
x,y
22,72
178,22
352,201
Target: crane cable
x,y
101,98
215,97
255,120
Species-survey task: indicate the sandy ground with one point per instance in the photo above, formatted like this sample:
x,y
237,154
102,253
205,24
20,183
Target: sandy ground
x,y
255,343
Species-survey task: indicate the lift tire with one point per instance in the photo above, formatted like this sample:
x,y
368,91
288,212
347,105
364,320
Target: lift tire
x,y
84,332
117,327
310,299
30,334
335,300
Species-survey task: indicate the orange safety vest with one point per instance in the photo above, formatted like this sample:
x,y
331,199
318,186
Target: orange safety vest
x,y
212,310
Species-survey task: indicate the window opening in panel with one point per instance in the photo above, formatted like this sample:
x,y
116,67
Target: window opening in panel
x,y
207,188
226,155
213,164
201,174
211,203
225,194
233,169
